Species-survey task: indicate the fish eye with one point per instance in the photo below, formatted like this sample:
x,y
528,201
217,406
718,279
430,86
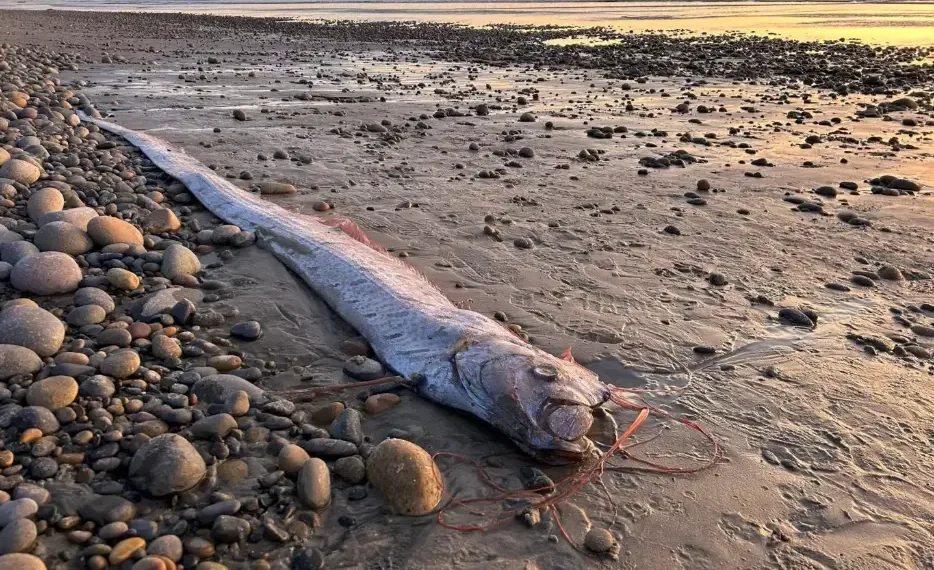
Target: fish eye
x,y
545,372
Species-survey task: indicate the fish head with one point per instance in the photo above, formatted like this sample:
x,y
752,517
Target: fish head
x,y
543,403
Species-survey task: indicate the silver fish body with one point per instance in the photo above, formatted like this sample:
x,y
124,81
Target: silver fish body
x,y
455,357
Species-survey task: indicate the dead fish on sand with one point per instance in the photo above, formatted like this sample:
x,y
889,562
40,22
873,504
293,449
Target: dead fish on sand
x,y
453,356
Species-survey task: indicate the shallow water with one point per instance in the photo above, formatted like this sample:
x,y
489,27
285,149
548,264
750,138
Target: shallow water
x,y
909,23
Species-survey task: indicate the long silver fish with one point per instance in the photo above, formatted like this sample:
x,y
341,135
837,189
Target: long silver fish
x,y
455,357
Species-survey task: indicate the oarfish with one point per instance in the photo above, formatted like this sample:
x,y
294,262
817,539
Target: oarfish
x,y
453,356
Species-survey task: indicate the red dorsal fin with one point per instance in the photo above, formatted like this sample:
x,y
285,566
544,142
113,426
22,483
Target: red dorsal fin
x,y
566,355
350,228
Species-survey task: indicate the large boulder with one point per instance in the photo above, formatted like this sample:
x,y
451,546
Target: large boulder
x,y
46,273
165,465
33,328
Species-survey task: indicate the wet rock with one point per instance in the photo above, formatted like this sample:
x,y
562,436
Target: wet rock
x,y
123,550
534,479
165,465
313,484
168,546
211,427
16,360
229,529
795,317
164,347
46,273
347,427
350,469
275,188
309,558
291,459
890,273
215,389
406,476
52,393
107,230
324,447
363,368
162,221
378,403
248,330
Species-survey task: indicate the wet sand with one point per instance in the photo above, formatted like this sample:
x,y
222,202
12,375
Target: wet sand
x,y
827,446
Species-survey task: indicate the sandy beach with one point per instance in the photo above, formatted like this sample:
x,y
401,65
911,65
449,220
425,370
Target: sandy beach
x,y
706,219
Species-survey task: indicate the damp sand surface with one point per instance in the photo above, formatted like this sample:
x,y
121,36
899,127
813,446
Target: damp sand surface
x,y
827,447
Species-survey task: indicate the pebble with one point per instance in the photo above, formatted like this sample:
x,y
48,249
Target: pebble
x,y
164,347
17,360
308,558
890,273
107,230
313,484
248,330
237,404
347,427
212,427
379,403
326,414
86,315
324,447
121,364
124,549
717,279
862,280
795,317
20,171
162,221
362,368
168,546
166,464
406,476
228,529
52,393
291,459
105,509
20,561
179,260
38,418
62,237
78,217
122,279
46,273
923,330
274,188
18,536
17,509
215,389
351,469
94,296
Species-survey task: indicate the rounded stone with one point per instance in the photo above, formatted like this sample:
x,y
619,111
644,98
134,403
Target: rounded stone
x,y
94,296
106,230
378,403
179,260
313,484
17,509
33,328
122,279
291,459
124,549
168,546
46,273
164,346
16,360
406,475
248,330
52,393
211,427
121,364
273,188
890,273
78,217
14,251
237,404
20,561
166,464
35,417
97,387
162,221
43,202
599,540
21,171
18,536
363,368
86,315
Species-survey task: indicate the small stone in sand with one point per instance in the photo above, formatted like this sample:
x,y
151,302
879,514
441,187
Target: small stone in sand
x,y
406,476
